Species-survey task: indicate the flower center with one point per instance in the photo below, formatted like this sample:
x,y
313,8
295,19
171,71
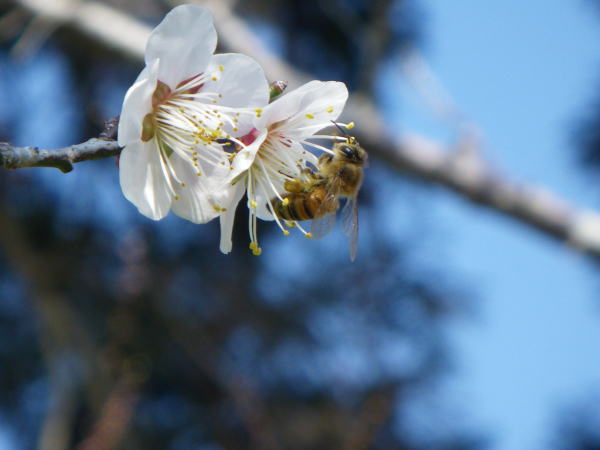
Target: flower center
x,y
188,121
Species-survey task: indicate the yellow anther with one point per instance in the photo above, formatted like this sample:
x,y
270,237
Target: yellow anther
x,y
214,78
199,174
309,235
290,224
286,232
257,251
350,125
309,116
285,202
182,184
253,204
253,246
330,109
221,68
214,102
177,197
257,110
235,128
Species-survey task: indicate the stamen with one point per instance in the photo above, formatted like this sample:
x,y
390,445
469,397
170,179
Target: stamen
x,y
317,146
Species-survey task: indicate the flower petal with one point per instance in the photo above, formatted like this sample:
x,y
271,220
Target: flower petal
x,y
143,181
306,110
241,83
245,157
137,103
184,42
228,216
197,199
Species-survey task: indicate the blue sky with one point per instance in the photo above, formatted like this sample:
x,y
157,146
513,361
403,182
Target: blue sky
x,y
524,72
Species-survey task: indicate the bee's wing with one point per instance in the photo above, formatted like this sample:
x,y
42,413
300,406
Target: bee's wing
x,y
321,226
350,224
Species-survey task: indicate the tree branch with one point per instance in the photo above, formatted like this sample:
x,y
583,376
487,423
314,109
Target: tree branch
x,y
462,172
12,157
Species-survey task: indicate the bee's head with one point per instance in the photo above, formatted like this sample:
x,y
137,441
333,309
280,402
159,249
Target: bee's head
x,y
351,152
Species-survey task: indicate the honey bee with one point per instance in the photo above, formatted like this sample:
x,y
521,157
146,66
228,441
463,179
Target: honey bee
x,y
338,175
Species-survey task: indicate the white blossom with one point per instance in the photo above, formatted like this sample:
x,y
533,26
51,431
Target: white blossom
x,y
275,152
176,115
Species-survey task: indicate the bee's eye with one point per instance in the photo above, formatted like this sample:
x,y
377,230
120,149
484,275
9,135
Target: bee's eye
x,y
348,152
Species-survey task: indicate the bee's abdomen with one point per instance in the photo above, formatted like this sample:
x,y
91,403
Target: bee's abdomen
x,y
299,206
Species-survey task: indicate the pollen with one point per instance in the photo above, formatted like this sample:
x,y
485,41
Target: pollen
x,y
221,68
182,184
257,251
350,125
253,204
330,109
253,245
177,197
309,235
285,202
310,116
286,232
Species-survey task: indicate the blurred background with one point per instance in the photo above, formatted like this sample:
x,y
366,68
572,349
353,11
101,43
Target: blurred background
x,y
456,327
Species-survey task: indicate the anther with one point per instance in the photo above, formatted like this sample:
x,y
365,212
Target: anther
x,y
309,116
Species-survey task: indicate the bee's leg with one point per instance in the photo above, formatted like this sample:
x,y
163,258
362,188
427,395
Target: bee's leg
x,y
294,185
311,174
325,158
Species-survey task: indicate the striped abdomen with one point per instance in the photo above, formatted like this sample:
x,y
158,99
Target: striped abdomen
x,y
303,205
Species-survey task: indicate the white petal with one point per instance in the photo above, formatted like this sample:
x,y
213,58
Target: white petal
x,y
262,197
197,198
228,216
245,157
143,181
184,42
137,103
242,82
307,109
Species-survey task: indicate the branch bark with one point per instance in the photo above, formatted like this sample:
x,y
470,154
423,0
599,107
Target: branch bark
x,y
12,157
461,172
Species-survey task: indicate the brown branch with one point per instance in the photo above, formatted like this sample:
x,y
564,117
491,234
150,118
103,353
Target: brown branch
x,y
12,157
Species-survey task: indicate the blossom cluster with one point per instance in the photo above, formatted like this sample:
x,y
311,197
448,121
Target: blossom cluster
x,y
199,131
